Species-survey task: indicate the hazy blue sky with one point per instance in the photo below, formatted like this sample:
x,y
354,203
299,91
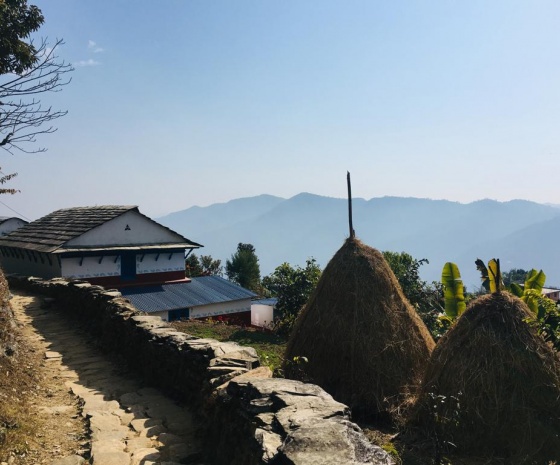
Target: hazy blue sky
x,y
181,103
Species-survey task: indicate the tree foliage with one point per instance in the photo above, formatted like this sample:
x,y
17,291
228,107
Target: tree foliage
x,y
292,286
426,298
243,267
516,275
26,70
203,266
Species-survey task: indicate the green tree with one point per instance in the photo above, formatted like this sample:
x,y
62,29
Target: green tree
x,y
203,266
426,298
243,267
292,287
193,268
26,71
516,275
211,266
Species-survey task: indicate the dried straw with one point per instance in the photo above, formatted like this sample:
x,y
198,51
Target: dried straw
x,y
365,343
507,380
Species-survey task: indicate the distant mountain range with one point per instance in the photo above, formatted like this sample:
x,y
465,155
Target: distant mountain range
x,y
522,234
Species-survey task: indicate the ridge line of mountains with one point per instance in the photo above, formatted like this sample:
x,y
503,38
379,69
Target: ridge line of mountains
x,y
520,233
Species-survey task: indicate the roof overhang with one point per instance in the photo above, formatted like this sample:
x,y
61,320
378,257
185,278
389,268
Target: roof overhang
x,y
135,248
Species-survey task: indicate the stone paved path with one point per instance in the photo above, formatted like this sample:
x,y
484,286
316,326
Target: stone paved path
x,y
130,424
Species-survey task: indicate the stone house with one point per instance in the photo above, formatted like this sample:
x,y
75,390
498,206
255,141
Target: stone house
x,y
110,245
118,247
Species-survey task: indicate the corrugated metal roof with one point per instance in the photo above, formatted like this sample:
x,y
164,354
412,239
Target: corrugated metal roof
x,y
51,232
271,301
200,291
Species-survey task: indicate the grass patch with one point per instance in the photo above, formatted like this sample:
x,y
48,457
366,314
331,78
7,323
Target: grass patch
x,y
269,346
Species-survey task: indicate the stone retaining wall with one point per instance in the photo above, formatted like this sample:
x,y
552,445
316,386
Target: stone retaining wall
x,y
247,416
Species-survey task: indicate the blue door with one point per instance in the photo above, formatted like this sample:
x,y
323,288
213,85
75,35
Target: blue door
x,y
128,266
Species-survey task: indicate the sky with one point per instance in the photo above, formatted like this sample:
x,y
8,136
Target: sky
x,y
178,103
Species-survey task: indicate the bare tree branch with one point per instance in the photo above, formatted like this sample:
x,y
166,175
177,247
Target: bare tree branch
x,y
22,117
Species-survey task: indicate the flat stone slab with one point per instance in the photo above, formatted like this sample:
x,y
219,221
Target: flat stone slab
x,y
52,355
130,398
107,426
134,444
167,439
141,424
144,456
111,458
106,446
153,431
331,443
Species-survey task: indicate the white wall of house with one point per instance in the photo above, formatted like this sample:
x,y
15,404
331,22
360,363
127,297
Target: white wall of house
x,y
11,224
160,263
90,267
162,315
131,228
221,308
29,267
262,315
553,294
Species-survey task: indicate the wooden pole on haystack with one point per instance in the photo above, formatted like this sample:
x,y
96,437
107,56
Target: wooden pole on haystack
x,y
352,232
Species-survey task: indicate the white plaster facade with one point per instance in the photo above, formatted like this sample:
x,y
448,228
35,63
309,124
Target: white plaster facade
x,y
129,229
11,224
221,308
159,262
87,267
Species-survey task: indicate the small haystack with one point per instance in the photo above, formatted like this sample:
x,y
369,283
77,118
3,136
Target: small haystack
x,y
492,387
364,342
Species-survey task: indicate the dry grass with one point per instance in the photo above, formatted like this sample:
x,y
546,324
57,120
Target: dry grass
x,y
506,380
17,380
364,342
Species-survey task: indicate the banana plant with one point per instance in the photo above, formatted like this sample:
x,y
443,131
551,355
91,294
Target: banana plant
x,y
492,281
532,289
491,276
453,290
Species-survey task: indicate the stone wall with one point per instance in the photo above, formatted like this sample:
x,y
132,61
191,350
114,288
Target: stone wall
x,y
247,417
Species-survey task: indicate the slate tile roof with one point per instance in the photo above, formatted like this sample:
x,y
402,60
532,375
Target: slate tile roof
x,y
200,291
51,232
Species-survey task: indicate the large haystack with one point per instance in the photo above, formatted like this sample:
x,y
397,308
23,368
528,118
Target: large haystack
x,y
506,379
364,342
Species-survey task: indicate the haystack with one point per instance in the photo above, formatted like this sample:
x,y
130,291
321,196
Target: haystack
x,y
492,387
364,342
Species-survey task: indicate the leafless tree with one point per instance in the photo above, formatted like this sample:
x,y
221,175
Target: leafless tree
x,y
22,116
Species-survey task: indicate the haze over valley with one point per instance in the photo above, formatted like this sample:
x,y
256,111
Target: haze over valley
x,y
520,233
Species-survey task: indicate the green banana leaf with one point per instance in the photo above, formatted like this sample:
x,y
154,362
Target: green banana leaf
x,y
534,284
535,280
531,298
453,291
516,290
494,275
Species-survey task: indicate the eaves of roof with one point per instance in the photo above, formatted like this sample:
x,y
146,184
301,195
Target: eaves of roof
x,y
50,233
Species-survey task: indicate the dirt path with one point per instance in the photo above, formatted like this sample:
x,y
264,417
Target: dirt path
x,y
88,411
